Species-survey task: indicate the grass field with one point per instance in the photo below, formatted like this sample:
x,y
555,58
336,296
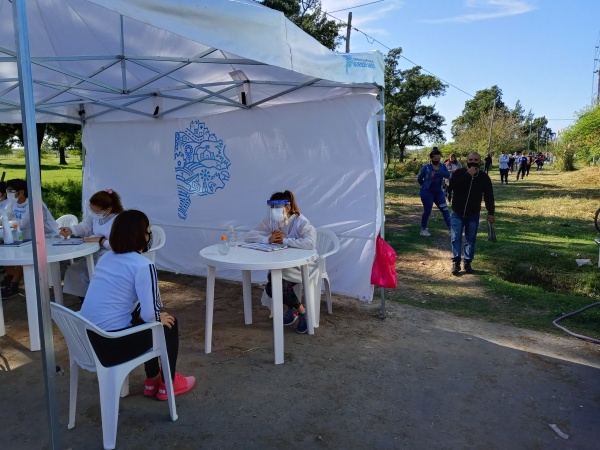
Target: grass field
x,y
543,224
61,185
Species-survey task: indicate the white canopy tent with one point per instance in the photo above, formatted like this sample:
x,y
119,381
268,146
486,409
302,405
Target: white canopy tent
x,y
195,111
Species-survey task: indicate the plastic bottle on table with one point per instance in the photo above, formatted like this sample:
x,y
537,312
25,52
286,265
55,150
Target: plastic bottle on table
x,y
223,246
6,228
17,233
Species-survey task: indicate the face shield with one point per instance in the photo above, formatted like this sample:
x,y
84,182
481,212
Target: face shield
x,y
277,210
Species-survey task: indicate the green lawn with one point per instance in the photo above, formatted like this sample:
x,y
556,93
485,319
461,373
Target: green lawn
x,y
529,276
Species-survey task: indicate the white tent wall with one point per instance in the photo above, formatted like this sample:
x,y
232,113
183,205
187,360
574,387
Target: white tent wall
x,y
325,152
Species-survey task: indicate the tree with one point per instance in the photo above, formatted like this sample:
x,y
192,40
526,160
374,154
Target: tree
x,y
481,104
408,121
309,16
61,136
506,134
584,134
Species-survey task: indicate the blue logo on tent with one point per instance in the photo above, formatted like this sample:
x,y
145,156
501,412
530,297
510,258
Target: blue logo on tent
x,y
201,164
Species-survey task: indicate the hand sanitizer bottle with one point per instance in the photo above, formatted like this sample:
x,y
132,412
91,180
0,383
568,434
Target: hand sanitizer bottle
x,y
232,238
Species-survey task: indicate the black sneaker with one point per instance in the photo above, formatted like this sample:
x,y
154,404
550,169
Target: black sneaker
x,y
455,268
10,291
6,281
302,326
290,317
468,267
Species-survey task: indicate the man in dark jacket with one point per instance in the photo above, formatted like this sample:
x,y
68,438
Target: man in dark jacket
x,y
468,187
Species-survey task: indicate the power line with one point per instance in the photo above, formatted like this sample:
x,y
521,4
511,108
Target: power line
x,y
371,39
357,6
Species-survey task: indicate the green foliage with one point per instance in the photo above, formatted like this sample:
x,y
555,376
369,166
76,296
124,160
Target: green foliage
x,y
565,156
397,169
480,105
408,121
308,15
584,135
63,197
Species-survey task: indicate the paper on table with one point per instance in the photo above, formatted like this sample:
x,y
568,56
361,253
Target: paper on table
x,y
264,247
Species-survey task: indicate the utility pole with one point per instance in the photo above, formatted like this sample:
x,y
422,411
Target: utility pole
x,y
348,29
491,126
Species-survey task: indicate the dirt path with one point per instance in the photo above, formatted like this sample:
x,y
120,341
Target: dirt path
x,y
418,379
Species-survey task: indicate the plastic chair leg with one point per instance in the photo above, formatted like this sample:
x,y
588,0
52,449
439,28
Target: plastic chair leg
x,y
328,293
110,384
74,379
125,387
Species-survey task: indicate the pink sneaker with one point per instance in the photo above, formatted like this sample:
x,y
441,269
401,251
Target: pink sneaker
x,y
181,385
151,387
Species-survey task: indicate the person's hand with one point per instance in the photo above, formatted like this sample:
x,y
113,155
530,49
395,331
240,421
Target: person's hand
x,y
65,232
491,219
276,237
472,171
167,319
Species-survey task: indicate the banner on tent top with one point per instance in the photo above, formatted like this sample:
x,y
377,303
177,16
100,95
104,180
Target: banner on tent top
x,y
197,177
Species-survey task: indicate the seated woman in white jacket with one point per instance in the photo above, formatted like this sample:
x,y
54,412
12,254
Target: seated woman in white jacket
x,y
95,227
286,225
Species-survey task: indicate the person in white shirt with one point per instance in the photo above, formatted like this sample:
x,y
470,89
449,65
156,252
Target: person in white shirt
x,y
504,167
18,197
95,227
287,226
124,293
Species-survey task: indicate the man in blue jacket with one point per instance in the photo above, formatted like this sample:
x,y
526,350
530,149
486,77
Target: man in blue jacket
x,y
468,186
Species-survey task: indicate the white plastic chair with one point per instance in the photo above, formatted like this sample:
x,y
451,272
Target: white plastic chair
x,y
68,220
111,380
158,241
327,244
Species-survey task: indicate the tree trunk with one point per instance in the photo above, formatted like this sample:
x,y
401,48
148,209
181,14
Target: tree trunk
x,y
63,159
402,148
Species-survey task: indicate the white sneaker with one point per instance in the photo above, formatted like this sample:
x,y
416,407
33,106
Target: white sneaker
x,y
425,233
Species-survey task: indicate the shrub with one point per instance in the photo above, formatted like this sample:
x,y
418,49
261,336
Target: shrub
x,y
63,198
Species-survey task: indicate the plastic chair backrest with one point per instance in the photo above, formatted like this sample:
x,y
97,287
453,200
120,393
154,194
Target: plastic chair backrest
x,y
327,243
68,220
158,241
73,327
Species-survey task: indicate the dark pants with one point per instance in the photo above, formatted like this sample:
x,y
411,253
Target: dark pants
x,y
111,352
504,176
521,171
527,170
290,299
428,198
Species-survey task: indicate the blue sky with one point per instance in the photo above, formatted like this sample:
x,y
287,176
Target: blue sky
x,y
540,52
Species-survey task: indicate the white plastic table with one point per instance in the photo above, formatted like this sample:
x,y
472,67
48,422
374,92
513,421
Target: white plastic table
x,y
246,260
23,256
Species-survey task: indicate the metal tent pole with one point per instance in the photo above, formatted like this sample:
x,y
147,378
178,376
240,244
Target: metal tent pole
x,y
383,312
35,210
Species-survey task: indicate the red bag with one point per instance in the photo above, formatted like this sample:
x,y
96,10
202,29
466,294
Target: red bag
x,y
384,265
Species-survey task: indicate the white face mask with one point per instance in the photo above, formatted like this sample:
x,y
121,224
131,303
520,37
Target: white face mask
x,y
277,214
12,197
97,215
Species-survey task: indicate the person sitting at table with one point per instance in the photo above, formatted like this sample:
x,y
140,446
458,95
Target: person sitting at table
x,y
124,293
287,226
18,197
95,227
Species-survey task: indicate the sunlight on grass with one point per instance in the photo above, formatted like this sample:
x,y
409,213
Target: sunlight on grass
x,y
543,224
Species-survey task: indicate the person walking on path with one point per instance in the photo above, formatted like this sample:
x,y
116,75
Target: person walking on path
x,y
488,163
468,187
503,167
431,178
522,165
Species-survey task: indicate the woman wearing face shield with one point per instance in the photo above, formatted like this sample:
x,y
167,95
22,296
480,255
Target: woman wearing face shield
x,y
285,225
431,178
18,199
95,227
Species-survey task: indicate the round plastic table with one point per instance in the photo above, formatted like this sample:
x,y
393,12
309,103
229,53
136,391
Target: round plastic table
x,y
23,256
246,260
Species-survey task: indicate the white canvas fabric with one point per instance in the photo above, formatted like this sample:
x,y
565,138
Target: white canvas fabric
x,y
235,162
115,60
